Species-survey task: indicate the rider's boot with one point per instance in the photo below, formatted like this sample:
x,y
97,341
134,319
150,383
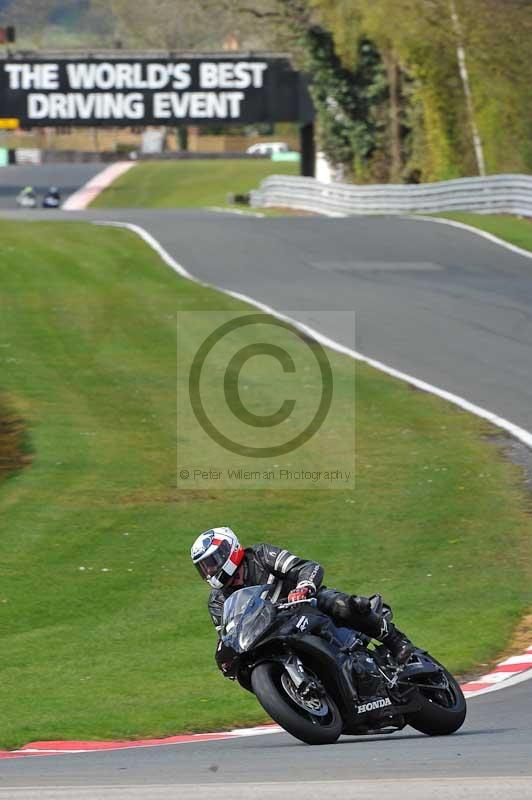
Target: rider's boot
x,y
396,641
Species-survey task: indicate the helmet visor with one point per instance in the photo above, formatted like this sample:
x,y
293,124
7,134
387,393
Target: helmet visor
x,y
212,564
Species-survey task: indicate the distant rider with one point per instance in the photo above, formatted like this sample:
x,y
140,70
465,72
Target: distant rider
x,y
227,566
52,197
28,192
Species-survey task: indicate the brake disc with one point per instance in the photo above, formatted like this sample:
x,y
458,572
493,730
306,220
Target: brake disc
x,y
312,703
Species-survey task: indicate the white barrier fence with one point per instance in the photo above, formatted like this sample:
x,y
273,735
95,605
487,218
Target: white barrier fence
x,y
506,194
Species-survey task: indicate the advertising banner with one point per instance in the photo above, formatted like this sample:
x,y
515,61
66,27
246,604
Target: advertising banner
x,y
138,91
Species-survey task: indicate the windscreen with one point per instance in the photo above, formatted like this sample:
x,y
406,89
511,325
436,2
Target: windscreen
x,y
247,615
243,600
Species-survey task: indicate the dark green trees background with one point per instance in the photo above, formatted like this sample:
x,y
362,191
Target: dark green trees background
x,y
406,90
417,90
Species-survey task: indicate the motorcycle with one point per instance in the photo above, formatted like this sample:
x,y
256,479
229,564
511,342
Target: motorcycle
x,y
51,200
26,200
318,681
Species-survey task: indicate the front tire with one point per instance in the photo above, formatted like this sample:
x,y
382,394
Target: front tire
x,y
442,712
311,729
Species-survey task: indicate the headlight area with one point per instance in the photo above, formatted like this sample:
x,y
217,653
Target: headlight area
x,y
254,626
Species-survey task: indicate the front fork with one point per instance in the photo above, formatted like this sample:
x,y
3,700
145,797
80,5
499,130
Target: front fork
x,y
303,682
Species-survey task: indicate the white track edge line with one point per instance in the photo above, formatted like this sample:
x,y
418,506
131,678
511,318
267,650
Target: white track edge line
x,y
466,780
453,223
515,430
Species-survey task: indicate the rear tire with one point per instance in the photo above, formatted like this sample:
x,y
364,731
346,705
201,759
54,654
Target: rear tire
x,y
438,719
266,684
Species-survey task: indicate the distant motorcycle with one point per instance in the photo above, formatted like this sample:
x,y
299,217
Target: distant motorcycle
x,y
52,198
27,198
319,681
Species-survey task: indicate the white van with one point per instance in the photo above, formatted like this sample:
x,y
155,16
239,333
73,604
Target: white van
x,y
267,148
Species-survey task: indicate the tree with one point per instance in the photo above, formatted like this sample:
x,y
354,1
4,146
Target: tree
x,y
176,24
345,18
454,93
344,99
30,17
497,39
441,107
345,96
464,75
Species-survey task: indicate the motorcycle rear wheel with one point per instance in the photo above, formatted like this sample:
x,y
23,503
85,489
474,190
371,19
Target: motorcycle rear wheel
x,y
309,728
442,712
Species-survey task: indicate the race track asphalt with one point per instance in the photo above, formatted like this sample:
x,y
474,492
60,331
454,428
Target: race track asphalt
x,y
67,177
433,301
441,304
493,747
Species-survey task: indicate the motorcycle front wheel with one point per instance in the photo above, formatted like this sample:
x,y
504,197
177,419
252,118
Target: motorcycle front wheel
x,y
313,717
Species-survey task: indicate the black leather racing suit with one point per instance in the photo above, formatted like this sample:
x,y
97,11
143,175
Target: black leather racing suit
x,y
266,563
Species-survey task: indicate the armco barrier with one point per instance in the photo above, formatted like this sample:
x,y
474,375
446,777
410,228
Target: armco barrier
x,y
507,194
107,157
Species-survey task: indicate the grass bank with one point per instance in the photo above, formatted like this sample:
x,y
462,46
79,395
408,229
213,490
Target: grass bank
x,y
188,184
514,230
104,626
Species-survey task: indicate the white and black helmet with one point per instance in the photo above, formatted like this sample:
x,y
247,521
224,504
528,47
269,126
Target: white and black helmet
x,y
217,554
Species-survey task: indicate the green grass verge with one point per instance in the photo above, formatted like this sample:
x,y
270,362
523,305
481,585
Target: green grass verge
x,y
438,520
188,184
515,230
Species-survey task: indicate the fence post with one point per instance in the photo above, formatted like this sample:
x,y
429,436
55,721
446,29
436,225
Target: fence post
x,y
308,150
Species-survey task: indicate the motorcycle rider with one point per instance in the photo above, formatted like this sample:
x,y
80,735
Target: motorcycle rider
x,y
52,197
221,560
27,193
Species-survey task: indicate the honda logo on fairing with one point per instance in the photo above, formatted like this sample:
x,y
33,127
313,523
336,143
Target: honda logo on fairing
x,y
374,705
302,623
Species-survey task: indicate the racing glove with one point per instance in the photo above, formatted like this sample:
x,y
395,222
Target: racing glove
x,y
224,657
302,591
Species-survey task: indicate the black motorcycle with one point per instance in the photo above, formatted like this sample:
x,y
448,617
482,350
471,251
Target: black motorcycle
x,y
319,681
52,199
